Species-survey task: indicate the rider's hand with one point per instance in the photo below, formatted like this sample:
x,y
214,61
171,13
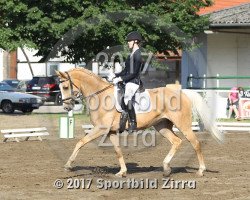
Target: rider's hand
x,y
117,80
111,76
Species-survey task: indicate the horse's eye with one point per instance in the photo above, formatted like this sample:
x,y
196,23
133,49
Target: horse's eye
x,y
65,87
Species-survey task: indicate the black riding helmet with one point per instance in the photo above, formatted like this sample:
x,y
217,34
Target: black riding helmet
x,y
134,35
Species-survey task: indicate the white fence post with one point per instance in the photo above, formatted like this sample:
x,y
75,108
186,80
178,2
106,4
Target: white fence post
x,y
204,81
191,80
217,81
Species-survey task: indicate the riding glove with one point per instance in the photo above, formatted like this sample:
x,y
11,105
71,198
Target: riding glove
x,y
117,80
111,76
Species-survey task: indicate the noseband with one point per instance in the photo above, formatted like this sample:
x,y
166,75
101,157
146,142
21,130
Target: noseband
x,y
73,97
78,93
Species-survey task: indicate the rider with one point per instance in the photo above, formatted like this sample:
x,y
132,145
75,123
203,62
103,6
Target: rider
x,y
130,76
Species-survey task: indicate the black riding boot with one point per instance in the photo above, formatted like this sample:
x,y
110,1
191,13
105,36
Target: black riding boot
x,y
123,121
132,117
124,117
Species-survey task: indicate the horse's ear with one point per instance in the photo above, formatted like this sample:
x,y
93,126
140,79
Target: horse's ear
x,y
61,74
57,73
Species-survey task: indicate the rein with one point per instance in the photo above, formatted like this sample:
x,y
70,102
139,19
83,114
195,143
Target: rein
x,y
100,91
73,97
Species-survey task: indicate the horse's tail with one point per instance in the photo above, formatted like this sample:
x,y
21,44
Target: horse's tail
x,y
204,113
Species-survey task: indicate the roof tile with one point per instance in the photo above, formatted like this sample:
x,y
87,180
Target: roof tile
x,y
237,15
222,4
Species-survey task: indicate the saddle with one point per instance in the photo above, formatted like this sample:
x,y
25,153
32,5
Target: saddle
x,y
121,87
141,99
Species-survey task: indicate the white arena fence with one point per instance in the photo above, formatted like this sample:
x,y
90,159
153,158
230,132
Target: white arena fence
x,y
223,126
217,102
24,133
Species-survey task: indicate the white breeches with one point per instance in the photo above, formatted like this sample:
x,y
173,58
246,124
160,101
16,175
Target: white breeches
x,y
130,90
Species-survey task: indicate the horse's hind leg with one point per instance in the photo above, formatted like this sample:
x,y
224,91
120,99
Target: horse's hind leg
x,y
115,141
165,129
191,137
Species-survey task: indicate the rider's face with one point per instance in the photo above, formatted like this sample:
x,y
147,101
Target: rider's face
x,y
130,44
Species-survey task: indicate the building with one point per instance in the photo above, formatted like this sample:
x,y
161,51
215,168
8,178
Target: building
x,y
7,64
14,65
225,48
38,68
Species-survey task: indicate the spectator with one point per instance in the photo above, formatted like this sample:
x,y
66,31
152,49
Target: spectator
x,y
241,92
233,101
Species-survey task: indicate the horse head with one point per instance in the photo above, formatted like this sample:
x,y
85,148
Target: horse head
x,y
80,82
70,89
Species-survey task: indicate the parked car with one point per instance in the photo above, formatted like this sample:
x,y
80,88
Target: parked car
x,y
11,101
12,82
17,85
22,85
6,87
46,87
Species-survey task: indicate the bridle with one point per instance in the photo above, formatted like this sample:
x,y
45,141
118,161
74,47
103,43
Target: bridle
x,y
78,94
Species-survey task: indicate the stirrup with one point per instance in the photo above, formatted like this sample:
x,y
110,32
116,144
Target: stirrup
x,y
132,127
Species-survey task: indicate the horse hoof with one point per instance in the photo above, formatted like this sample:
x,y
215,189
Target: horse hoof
x,y
68,168
199,174
121,174
166,173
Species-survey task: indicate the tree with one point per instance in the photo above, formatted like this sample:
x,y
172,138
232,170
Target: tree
x,y
80,29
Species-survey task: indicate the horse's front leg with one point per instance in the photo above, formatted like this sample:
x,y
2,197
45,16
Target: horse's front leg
x,y
114,138
95,133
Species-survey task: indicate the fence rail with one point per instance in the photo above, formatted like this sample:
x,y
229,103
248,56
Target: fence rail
x,y
204,79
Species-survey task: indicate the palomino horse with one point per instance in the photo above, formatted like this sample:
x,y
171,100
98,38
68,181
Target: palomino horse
x,y
162,118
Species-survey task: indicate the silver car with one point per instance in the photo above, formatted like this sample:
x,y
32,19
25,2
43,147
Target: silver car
x,y
11,101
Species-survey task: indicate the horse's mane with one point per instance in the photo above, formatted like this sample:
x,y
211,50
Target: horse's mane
x,y
90,73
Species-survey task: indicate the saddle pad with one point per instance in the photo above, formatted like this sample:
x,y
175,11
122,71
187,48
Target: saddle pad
x,y
142,102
